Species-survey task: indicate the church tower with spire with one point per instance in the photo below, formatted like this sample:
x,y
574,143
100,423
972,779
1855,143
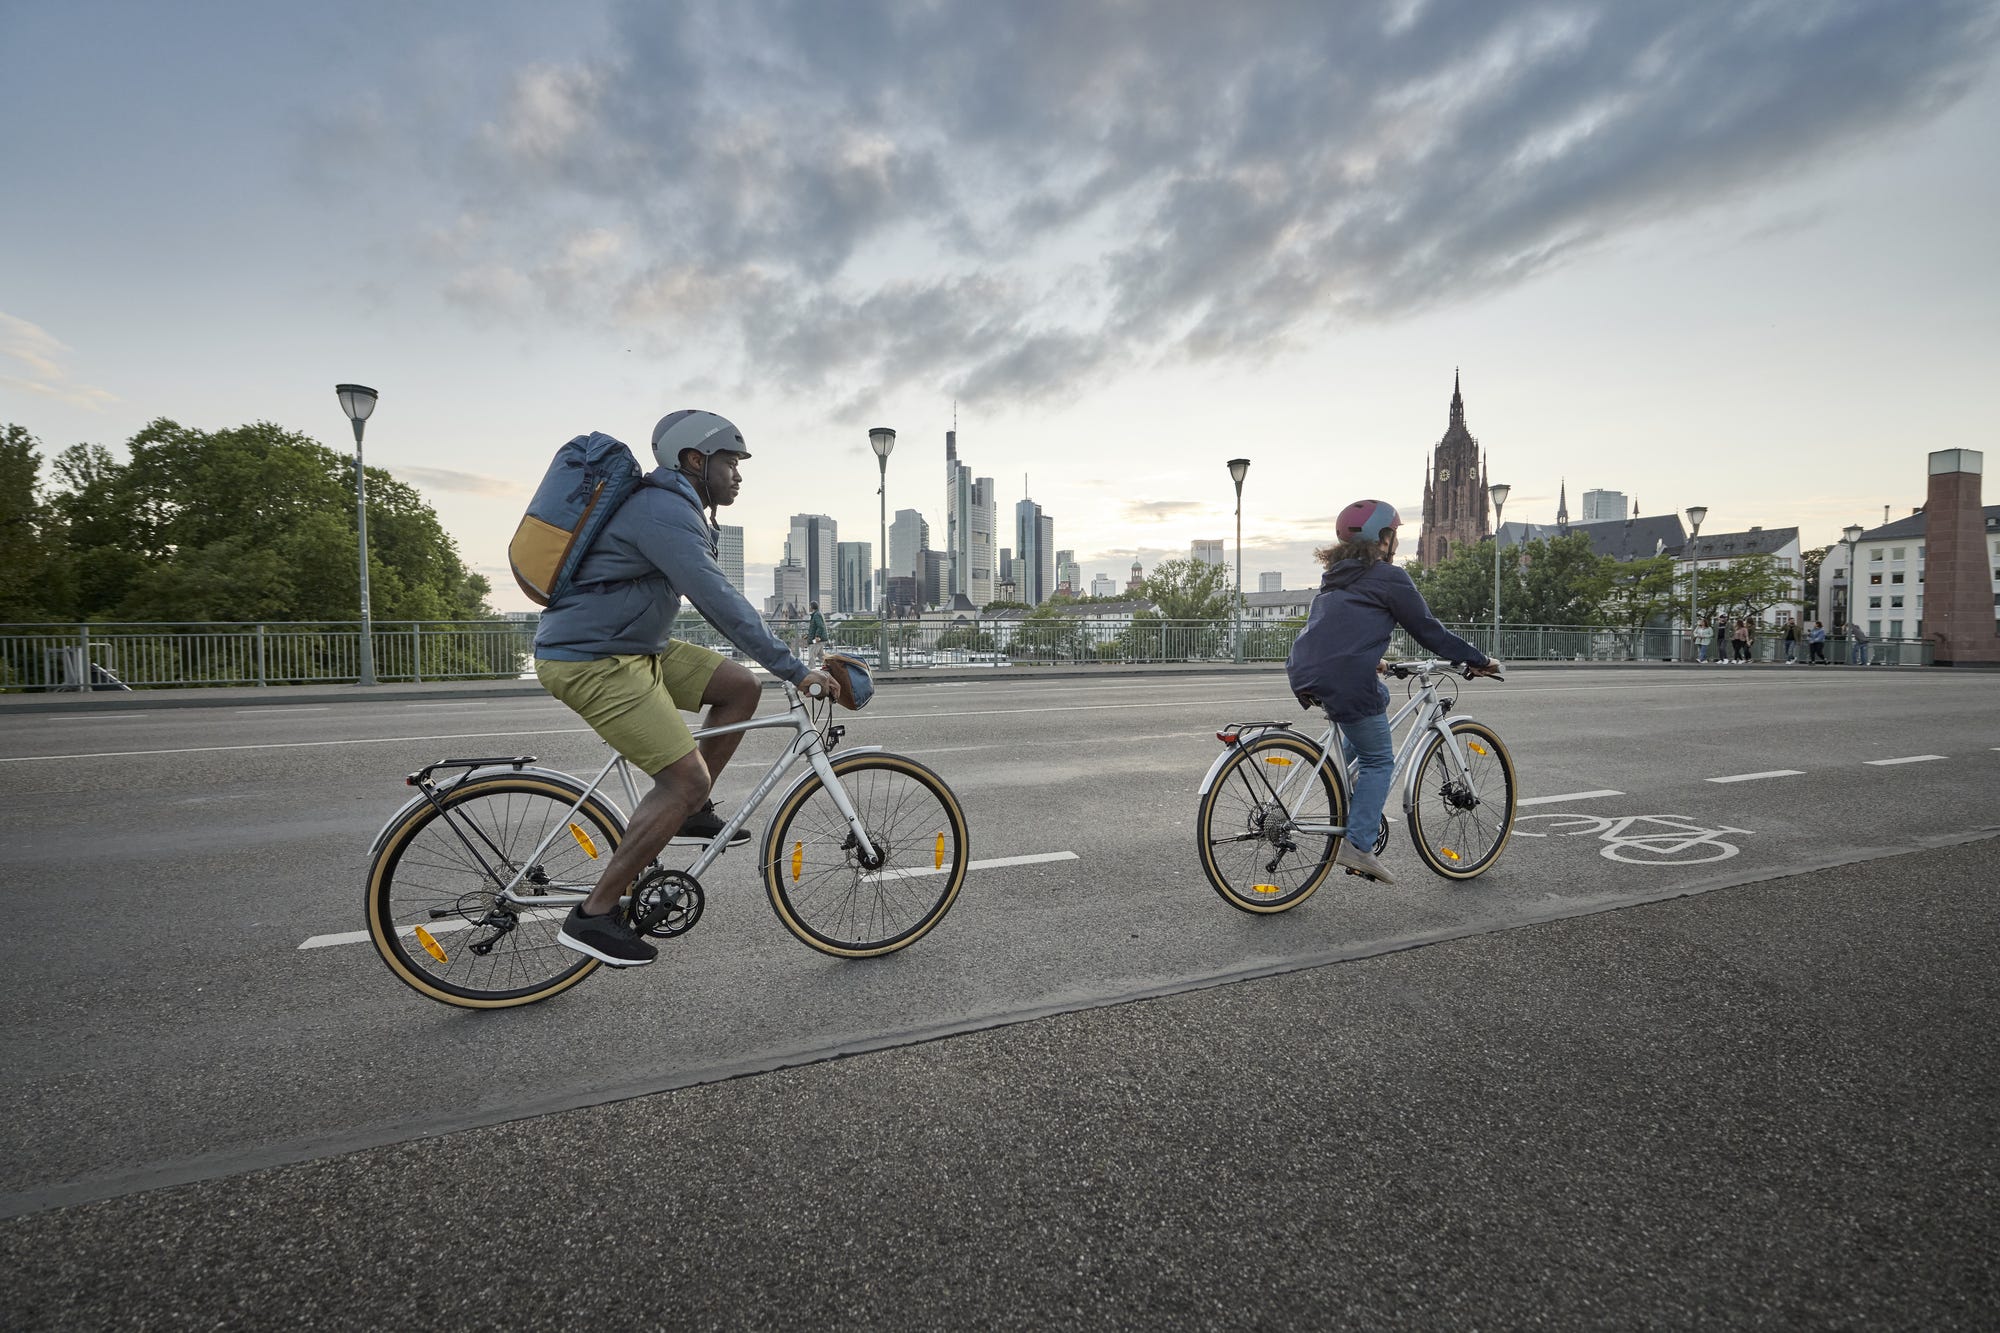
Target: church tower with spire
x,y
1455,505
1562,509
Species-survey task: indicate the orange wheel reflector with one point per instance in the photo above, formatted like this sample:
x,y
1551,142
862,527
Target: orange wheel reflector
x,y
1281,760
431,946
1475,747
583,840
798,860
1446,851
937,858
1263,888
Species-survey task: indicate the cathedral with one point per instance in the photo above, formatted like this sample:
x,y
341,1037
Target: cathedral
x,y
1455,513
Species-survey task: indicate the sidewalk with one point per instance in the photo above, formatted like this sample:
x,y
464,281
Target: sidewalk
x,y
1768,1106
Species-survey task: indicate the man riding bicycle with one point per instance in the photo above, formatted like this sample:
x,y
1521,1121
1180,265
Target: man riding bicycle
x,y
604,648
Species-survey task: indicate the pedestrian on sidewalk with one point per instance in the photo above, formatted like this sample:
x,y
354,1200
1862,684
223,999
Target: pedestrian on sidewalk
x,y
1857,637
1739,642
1721,640
1791,642
1701,642
1816,642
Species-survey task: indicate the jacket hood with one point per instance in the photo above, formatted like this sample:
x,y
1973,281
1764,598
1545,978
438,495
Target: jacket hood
x,y
1342,573
675,480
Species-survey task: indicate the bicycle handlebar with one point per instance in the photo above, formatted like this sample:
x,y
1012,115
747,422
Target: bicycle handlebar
x,y
1437,666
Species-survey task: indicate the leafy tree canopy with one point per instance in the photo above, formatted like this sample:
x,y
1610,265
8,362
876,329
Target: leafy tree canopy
x,y
1191,590
250,523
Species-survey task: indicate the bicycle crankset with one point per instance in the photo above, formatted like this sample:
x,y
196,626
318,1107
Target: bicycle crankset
x,y
666,903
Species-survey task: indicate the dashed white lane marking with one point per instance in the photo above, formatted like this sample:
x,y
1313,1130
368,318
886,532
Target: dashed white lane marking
x,y
361,936
1753,777
294,745
93,717
284,708
1906,759
1572,796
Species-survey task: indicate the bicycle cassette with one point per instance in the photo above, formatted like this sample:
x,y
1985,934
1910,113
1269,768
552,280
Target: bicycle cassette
x,y
666,903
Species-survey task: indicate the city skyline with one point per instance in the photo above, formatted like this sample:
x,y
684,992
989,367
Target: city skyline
x,y
1700,254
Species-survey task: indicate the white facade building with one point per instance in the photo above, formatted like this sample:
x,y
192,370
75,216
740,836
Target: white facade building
x,y
1715,552
1891,563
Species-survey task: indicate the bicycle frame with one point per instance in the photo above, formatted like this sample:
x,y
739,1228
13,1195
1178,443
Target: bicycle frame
x,y
807,744
1432,717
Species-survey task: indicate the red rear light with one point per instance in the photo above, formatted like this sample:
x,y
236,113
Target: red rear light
x,y
1226,737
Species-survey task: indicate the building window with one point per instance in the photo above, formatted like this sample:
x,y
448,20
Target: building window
x,y
1898,553
1875,579
1895,601
1920,553
1875,554
1896,577
1895,629
1874,629
1875,603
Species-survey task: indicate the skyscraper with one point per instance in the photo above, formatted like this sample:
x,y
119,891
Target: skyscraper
x,y
909,535
729,553
1102,586
857,578
1034,553
1603,506
815,539
788,592
970,519
1069,578
1271,581
1203,551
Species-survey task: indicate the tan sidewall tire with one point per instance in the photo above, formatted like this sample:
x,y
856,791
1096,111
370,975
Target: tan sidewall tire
x,y
1337,814
1438,864
422,815
773,839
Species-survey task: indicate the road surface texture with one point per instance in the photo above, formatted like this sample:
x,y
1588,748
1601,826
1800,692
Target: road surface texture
x,y
1566,1092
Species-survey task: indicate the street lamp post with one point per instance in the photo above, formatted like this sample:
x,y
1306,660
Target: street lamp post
x,y
358,400
1238,467
882,440
1499,494
1696,513
1849,536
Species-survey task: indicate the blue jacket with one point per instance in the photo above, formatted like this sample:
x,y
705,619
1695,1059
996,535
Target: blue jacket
x,y
1357,609
655,550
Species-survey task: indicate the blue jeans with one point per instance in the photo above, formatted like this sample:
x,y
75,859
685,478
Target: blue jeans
x,y
1371,740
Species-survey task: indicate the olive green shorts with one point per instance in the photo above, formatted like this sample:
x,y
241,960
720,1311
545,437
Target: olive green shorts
x,y
635,702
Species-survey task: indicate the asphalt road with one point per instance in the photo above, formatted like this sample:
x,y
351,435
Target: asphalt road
x,y
169,1028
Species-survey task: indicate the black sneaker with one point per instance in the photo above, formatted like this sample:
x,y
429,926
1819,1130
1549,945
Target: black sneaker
x,y
701,828
606,938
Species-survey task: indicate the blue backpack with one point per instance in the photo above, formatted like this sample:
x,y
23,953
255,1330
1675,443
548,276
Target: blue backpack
x,y
586,482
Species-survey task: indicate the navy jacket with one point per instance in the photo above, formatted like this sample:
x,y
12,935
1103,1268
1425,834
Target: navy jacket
x,y
1358,607
657,549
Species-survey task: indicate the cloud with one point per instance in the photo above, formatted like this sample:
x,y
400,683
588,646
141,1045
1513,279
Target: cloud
x,y
37,356
468,483
1157,511
1004,202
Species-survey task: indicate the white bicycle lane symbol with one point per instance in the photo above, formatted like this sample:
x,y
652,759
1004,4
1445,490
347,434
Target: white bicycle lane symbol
x,y
1648,840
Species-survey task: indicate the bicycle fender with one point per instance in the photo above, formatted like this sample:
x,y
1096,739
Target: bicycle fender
x,y
403,812
1208,778
1410,779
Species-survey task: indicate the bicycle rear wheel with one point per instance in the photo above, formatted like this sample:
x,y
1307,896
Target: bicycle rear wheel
x,y
1252,850
1460,826
813,868
434,907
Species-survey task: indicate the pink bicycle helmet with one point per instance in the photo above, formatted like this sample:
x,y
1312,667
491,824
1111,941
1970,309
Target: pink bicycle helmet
x,y
1367,520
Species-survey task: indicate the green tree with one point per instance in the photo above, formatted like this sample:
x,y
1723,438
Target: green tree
x,y
1641,591
33,579
251,523
1560,581
1812,561
1749,586
1191,590
1048,633
1459,588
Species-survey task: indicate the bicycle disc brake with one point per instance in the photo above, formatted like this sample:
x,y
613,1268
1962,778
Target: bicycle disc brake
x,y
666,903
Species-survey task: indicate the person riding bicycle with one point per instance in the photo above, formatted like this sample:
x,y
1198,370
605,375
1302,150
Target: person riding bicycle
x,y
1336,659
605,649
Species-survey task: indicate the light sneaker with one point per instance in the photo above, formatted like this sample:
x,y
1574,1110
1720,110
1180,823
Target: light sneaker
x,y
606,938
1359,861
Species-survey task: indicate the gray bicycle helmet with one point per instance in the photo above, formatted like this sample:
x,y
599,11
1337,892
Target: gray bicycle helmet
x,y
703,432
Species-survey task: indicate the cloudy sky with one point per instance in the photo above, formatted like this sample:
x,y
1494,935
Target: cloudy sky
x,y
1737,254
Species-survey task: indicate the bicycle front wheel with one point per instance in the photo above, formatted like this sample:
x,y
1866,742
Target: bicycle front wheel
x,y
829,894
434,906
1252,849
1460,825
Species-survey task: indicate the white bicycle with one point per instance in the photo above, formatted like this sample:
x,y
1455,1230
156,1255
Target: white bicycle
x,y
1274,803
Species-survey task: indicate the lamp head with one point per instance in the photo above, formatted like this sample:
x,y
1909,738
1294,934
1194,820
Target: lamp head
x,y
1499,493
1237,468
1697,515
357,400
882,440
1851,533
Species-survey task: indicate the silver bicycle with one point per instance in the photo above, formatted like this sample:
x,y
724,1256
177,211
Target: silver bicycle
x,y
1274,803
469,882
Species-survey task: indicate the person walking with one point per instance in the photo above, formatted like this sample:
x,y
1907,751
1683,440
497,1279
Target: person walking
x,y
816,627
1701,642
1791,642
1857,638
1816,644
1739,642
1721,641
